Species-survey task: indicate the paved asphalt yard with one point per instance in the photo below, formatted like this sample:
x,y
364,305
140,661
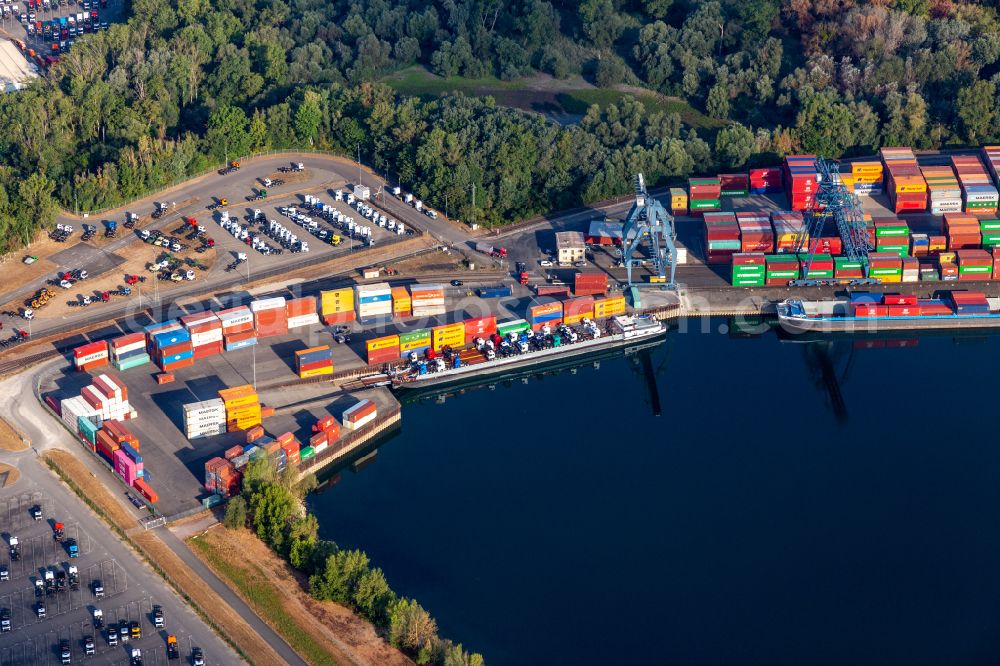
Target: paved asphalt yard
x,y
131,587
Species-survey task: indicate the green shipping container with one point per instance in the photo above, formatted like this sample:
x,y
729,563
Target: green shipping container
x,y
724,245
749,282
818,275
891,232
879,272
704,181
87,429
748,270
969,270
306,452
705,204
415,336
735,193
517,326
846,264
129,363
791,275
989,225
901,250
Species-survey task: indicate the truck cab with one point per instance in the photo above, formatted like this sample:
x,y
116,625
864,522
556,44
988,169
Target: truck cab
x,y
158,617
15,549
98,587
72,548
172,651
5,620
58,531
136,659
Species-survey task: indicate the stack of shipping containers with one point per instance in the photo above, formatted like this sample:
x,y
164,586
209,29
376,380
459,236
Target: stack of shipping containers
x,y
748,269
790,231
756,232
767,180
383,350
90,355
170,346
678,201
359,414
327,432
886,266
734,184
222,477
204,419
705,195
206,334
270,316
892,235
800,181
540,314
818,266
129,351
242,407
374,301
402,304
577,309
608,307
415,342
962,231
979,195
337,306
943,192
237,328
483,327
904,184
448,335
780,268
989,230
427,300
863,179
974,264
590,284
314,362
722,237
301,312
517,326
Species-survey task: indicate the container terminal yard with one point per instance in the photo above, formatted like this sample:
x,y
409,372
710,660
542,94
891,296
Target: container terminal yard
x,y
310,322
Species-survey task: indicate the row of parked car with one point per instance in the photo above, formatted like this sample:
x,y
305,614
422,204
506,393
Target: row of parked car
x,y
64,27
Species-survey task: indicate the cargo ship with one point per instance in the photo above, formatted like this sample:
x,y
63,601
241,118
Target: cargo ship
x,y
475,363
863,313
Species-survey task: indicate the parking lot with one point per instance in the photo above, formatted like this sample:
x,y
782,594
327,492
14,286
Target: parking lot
x,y
50,27
131,589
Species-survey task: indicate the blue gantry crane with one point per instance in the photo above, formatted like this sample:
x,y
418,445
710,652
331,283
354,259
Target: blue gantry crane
x,y
649,221
833,201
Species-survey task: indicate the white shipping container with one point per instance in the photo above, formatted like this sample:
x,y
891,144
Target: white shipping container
x,y
268,304
208,337
426,302
90,358
118,351
303,320
113,385
980,197
237,317
428,312
355,425
203,318
375,289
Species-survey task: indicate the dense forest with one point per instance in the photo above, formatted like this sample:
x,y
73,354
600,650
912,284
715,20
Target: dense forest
x,y
186,83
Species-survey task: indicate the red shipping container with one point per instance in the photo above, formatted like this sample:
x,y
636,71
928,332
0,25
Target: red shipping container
x,y
578,305
328,363
380,356
935,309
129,339
164,378
170,367
339,318
551,290
90,348
93,364
903,310
869,310
297,307
230,338
233,451
143,488
178,348
899,299
204,351
318,439
108,390
253,434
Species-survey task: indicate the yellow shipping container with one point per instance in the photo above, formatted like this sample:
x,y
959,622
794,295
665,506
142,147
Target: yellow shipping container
x,y
947,257
236,392
848,180
245,413
890,278
401,301
420,343
911,187
858,168
388,342
239,403
336,301
452,338
577,318
316,372
609,307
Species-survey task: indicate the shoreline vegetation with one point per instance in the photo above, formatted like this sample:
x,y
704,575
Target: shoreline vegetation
x,y
272,507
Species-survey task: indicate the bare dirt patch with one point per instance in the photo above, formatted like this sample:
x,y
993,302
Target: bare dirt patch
x,y
348,638
10,439
138,256
9,475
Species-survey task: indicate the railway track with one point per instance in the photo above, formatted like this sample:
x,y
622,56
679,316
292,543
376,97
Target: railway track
x,y
24,362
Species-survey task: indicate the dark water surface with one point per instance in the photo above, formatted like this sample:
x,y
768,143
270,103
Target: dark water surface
x,y
792,504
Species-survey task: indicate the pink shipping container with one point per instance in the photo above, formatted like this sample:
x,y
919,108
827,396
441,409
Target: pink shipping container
x,y
125,467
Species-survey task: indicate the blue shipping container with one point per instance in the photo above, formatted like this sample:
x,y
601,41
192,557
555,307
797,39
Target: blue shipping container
x,y
312,357
377,298
183,356
249,342
171,338
152,328
130,452
495,292
865,297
